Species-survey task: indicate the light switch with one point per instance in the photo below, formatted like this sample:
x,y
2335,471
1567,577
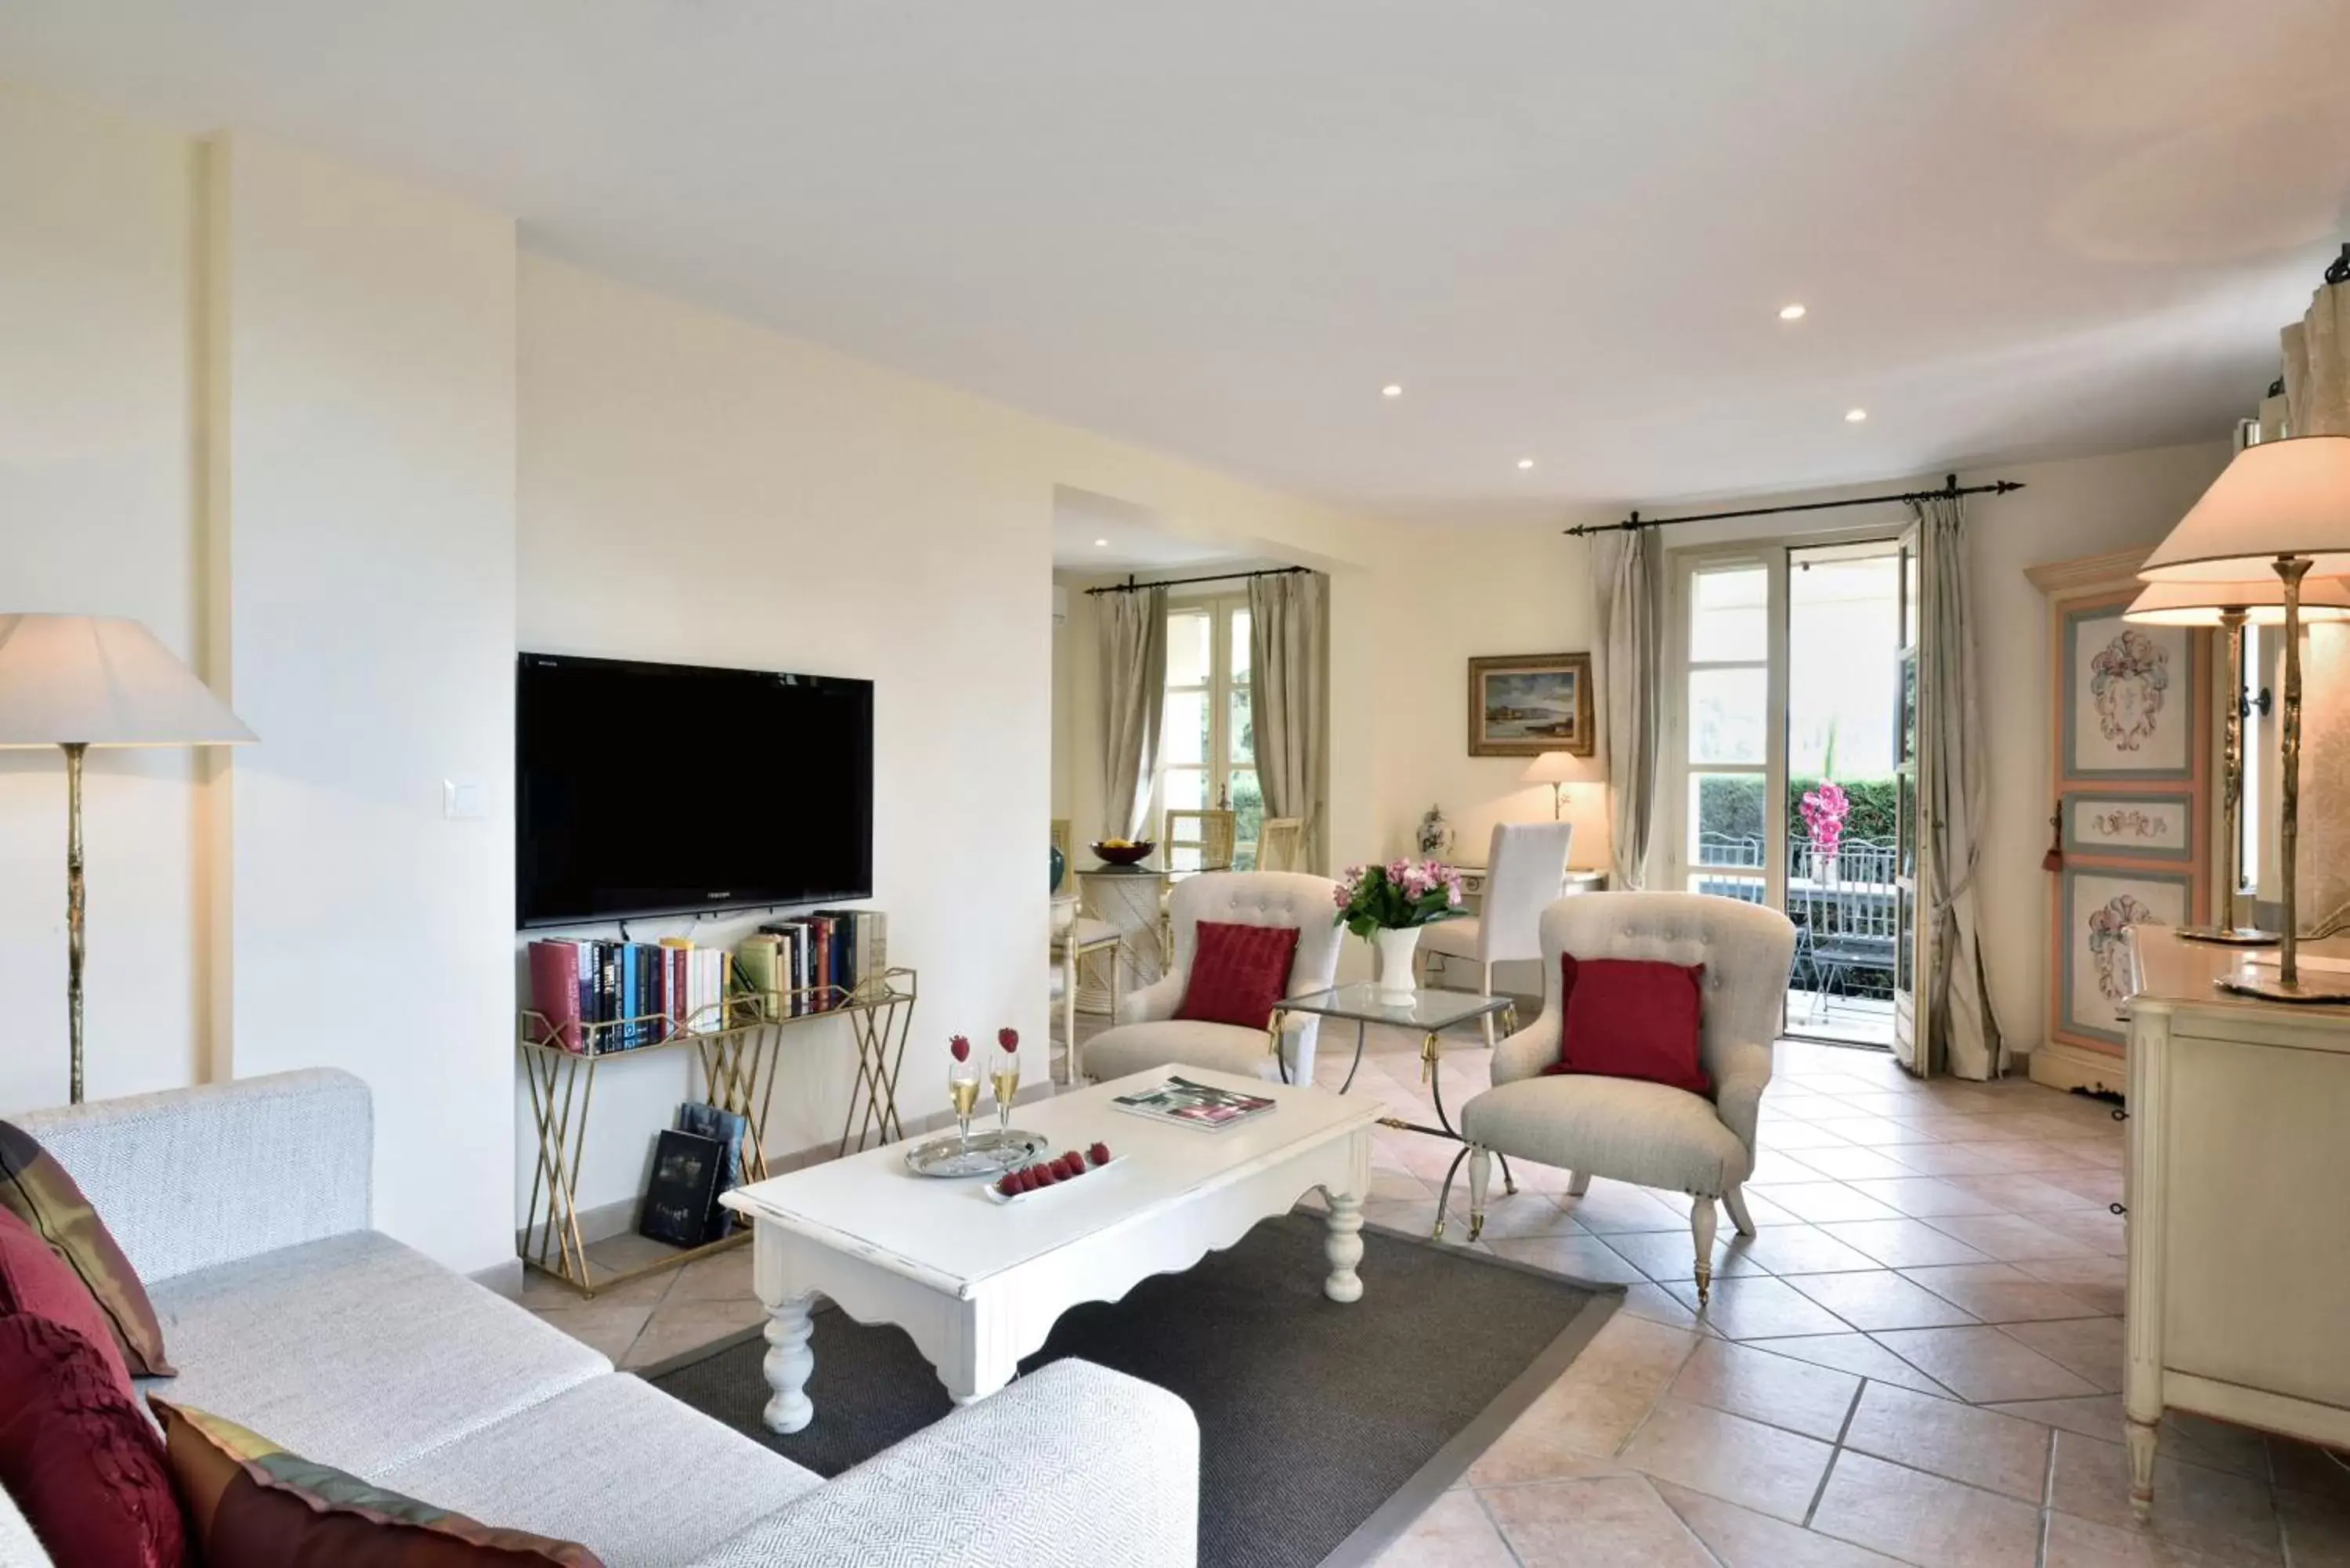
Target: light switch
x,y
463,800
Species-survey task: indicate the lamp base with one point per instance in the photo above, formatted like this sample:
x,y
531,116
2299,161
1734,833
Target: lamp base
x,y
2229,936
2269,988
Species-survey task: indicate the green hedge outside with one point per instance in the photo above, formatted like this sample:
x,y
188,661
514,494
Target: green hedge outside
x,y
1731,805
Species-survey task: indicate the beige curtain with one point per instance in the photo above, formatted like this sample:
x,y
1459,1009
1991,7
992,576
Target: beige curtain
x,y
1951,710
1134,695
1289,661
2317,365
1629,578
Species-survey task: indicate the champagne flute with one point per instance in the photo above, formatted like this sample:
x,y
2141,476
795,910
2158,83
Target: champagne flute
x,y
1007,1077
963,1085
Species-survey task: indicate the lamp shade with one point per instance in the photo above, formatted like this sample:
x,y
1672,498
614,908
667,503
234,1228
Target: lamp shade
x,y
2199,603
2278,498
1554,768
101,680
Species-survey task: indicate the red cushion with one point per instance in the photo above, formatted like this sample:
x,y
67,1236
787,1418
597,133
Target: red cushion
x,y
76,1456
1633,1018
1238,973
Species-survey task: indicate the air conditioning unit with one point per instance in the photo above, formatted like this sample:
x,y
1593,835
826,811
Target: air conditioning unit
x,y
1060,602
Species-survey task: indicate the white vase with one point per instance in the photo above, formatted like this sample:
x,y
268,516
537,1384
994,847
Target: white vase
x,y
1396,986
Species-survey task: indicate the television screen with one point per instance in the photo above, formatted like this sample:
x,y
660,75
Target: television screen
x,y
645,789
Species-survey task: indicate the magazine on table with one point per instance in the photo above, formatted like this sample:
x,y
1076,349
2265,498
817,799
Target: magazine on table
x,y
1201,1106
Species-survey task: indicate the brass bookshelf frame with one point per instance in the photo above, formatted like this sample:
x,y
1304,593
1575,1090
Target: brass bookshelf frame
x,y
737,1042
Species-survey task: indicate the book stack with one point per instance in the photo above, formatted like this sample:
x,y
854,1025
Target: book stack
x,y
600,996
815,962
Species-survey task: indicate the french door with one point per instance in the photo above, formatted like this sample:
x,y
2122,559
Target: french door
x,y
1729,648
1914,947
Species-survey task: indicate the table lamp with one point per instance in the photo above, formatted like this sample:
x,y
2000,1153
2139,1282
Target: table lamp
x,y
2230,606
1558,770
2281,507
75,682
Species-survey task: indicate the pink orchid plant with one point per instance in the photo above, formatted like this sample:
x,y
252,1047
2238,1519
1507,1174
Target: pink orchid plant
x,y
1823,810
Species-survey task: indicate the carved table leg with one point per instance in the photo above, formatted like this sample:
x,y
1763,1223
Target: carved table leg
x,y
1343,1247
788,1365
2140,1435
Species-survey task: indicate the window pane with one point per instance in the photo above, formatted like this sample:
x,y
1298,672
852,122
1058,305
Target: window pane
x,y
1725,819
1188,632
1183,789
1726,708
1728,620
1184,738
1244,735
1239,647
1248,810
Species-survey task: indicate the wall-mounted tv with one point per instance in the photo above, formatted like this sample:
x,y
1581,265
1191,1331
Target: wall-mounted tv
x,y
647,789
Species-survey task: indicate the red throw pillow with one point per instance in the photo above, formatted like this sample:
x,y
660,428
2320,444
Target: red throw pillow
x,y
1633,1018
81,1462
1238,973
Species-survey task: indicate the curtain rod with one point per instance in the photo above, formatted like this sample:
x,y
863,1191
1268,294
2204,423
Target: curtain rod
x,y
1950,491
1131,587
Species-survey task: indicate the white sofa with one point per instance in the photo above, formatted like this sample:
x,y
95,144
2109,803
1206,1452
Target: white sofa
x,y
1147,1033
245,1210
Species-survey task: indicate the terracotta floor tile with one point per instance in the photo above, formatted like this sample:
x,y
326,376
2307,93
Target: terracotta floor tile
x,y
1775,1166
1455,1533
1796,1248
1742,1538
1616,1523
1957,1442
1921,1196
2000,1292
2200,1510
2084,1543
681,1327
1822,1201
1576,1425
1880,1132
1880,1299
2007,1238
1669,1257
1923,1519
2098,1185
1774,1389
1610,1207
723,1277
1854,1164
2303,1467
1857,1354
2018,1193
2093,1227
1799,1138
1580,1257
1945,1159
1763,1468
2081,1269
1757,1306
1983,1365
2316,1529
604,1325
1523,1214
1649,1300
1906,1243
2089,1346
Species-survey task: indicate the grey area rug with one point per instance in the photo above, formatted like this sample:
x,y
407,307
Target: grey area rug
x,y
1323,1430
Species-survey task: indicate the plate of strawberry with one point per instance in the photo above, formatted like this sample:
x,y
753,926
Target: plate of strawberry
x,y
1070,1165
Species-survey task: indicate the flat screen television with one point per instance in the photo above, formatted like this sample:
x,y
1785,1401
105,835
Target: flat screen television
x,y
651,789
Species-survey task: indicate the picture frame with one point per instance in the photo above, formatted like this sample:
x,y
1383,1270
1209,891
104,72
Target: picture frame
x,y
2139,825
1522,705
2130,697
2096,904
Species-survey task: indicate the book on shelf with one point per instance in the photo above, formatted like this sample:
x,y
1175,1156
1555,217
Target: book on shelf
x,y
687,1171
1193,1104
603,996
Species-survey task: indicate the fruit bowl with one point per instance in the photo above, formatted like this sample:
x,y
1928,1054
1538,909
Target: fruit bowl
x,y
1125,854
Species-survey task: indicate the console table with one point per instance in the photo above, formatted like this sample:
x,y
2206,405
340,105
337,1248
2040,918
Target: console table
x,y
2238,1269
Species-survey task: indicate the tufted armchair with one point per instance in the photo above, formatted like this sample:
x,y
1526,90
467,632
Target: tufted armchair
x,y
1148,1034
1624,1129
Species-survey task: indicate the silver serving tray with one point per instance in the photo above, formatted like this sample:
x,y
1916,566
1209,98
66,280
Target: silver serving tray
x,y
989,1154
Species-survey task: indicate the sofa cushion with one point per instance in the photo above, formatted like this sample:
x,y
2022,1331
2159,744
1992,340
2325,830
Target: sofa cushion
x,y
358,1353
1238,972
251,1504
617,1464
1621,1129
36,1189
1633,1018
1133,1048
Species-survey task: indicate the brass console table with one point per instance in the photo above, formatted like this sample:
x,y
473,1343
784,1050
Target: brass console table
x,y
738,1045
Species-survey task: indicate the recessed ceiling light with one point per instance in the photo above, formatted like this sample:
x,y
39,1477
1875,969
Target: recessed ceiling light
x,y
1392,390
1103,543
1854,416
1791,313
1526,463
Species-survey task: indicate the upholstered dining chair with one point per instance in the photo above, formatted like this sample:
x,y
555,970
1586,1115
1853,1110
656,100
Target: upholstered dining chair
x,y
1147,1033
1525,867
1627,1129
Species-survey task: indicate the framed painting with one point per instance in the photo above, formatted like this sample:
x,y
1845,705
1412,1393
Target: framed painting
x,y
2129,698
2139,826
2095,907
1522,705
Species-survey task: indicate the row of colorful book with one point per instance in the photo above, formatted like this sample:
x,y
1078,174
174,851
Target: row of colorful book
x,y
600,996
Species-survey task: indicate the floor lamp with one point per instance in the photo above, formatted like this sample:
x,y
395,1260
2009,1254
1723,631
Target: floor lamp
x,y
75,682
2232,606
2281,507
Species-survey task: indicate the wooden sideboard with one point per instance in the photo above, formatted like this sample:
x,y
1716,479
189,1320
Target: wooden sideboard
x,y
2239,1294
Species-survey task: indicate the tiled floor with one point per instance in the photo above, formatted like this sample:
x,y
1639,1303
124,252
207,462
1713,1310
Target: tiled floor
x,y
1916,1360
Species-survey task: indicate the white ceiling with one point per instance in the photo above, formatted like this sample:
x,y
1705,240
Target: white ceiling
x,y
1100,534
2023,227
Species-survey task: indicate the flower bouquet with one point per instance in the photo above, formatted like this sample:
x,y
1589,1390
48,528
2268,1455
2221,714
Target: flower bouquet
x,y
1389,905
1823,810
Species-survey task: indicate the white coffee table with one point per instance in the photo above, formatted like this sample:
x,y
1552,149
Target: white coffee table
x,y
978,1284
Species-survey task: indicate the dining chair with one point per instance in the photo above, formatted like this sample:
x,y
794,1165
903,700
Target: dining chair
x,y
1211,833
1524,869
1281,844
1078,936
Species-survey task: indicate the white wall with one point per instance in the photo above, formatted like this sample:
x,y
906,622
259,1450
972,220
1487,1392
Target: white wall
x,y
98,515
365,426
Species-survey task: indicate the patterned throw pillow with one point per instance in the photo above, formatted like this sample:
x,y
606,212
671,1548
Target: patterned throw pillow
x,y
251,1504
1238,973
80,1460
36,1189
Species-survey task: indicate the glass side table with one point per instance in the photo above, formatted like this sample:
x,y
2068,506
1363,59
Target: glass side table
x,y
1429,1012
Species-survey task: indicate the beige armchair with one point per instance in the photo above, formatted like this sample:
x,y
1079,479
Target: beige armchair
x,y
1624,1129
